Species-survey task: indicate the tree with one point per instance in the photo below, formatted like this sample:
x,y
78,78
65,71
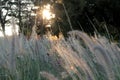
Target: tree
x,y
67,11
19,9
4,10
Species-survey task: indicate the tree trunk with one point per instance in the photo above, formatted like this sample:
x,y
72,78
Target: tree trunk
x,y
19,16
3,26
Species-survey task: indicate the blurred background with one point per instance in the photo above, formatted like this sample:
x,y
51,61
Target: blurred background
x,y
91,16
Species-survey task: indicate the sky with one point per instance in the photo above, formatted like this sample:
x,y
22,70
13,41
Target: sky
x,y
8,30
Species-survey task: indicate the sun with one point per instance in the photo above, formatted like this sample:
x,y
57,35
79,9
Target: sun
x,y
46,12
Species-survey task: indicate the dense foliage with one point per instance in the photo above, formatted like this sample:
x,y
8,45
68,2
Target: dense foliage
x,y
100,16
91,14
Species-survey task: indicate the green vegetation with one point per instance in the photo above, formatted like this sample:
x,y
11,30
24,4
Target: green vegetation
x,y
85,15
76,57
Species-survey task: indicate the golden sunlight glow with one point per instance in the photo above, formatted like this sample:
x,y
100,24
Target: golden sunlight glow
x,y
47,14
53,38
59,1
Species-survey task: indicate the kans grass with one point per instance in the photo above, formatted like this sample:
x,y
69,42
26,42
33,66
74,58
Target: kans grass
x,y
77,57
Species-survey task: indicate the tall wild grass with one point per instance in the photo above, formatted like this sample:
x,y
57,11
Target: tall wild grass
x,y
77,57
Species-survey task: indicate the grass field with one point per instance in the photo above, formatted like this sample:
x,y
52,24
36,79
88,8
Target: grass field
x,y
77,57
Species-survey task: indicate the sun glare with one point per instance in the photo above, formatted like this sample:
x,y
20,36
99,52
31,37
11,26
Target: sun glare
x,y
47,14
